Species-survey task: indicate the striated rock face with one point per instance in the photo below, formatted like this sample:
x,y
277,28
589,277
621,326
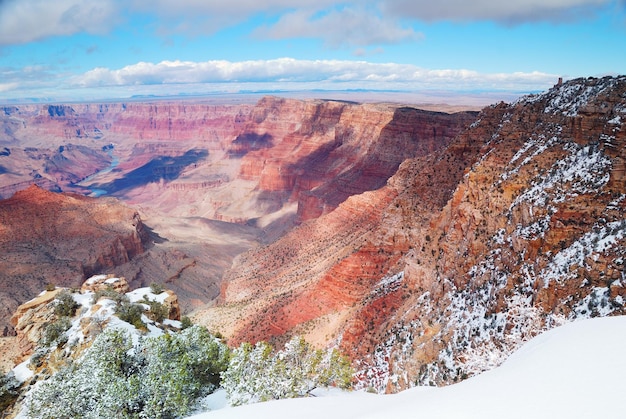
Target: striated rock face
x,y
30,320
61,239
217,160
516,226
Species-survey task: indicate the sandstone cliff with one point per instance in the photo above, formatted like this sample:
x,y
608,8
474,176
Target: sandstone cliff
x,y
55,328
516,226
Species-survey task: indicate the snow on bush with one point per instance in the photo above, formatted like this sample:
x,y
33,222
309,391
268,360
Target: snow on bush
x,y
158,377
257,373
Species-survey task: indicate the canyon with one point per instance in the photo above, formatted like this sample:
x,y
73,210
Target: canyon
x,y
205,182
427,246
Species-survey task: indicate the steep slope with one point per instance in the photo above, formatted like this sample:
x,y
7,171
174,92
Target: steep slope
x,y
518,225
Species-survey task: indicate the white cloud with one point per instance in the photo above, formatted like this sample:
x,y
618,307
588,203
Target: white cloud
x,y
511,11
323,73
24,21
238,8
207,16
347,26
352,23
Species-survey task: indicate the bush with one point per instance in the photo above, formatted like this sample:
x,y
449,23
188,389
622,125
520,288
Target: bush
x,y
155,378
65,305
186,322
257,373
158,312
9,390
109,293
54,333
156,288
131,313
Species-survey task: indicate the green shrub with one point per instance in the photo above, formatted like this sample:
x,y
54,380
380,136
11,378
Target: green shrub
x,y
9,387
258,373
131,313
156,288
110,294
158,312
185,323
160,377
65,305
54,333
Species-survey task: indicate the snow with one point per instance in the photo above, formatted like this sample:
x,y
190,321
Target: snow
x,y
94,279
573,371
599,240
139,294
585,169
569,98
616,121
22,372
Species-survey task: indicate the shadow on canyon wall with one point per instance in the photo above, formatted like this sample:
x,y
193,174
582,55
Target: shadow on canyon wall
x,y
411,133
162,167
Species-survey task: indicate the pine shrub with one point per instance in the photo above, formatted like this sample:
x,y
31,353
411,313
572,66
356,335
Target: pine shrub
x,y
65,305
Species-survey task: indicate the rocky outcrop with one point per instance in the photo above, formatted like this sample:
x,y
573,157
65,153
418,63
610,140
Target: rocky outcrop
x,y
33,317
30,320
515,226
105,282
61,239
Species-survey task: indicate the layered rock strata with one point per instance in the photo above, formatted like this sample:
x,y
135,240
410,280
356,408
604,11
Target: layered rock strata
x,y
213,181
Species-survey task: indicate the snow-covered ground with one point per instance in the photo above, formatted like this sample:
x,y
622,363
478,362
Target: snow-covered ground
x,y
573,371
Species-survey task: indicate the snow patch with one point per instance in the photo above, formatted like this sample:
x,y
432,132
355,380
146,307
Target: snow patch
x,y
599,240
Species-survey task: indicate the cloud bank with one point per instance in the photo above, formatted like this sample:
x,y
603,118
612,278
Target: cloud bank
x,y
344,27
508,12
287,70
23,21
284,74
335,22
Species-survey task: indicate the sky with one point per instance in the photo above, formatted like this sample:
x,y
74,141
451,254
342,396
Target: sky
x,y
105,49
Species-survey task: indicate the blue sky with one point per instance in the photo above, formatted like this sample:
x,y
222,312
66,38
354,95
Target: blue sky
x,y
96,49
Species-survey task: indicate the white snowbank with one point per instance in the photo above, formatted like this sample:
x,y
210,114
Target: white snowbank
x,y
140,293
573,371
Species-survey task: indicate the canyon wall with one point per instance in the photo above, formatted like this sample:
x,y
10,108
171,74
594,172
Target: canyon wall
x,y
515,227
427,246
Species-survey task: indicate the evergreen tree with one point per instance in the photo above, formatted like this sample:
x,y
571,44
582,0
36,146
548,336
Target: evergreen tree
x,y
159,377
257,373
